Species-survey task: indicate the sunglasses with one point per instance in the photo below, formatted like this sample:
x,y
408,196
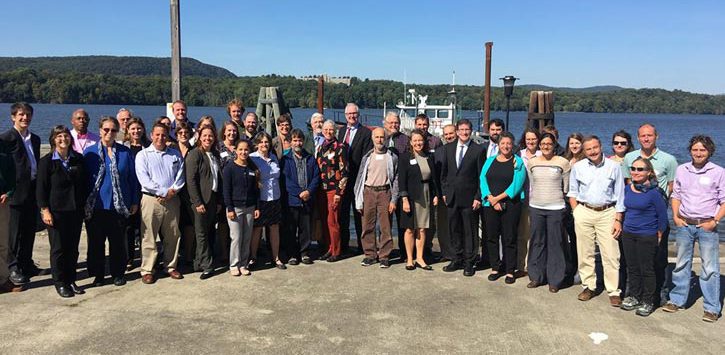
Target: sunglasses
x,y
619,143
638,169
106,130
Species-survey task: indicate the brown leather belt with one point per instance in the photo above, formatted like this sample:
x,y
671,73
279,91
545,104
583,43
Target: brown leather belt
x,y
378,188
696,221
598,208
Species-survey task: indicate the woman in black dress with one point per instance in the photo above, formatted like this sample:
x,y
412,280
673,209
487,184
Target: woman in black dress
x,y
419,192
61,192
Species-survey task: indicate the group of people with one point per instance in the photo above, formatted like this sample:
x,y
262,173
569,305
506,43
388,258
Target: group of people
x,y
535,208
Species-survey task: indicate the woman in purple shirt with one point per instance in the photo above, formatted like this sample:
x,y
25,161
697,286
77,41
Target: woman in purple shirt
x,y
644,223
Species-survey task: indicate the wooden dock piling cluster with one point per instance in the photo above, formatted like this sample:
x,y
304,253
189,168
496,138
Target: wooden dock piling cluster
x,y
270,106
541,109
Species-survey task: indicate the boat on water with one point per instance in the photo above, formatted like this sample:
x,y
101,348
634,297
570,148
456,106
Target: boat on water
x,y
439,115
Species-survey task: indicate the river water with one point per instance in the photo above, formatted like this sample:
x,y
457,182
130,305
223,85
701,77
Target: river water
x,y
675,130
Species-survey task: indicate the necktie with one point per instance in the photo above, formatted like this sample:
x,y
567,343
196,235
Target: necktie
x,y
460,155
347,136
494,149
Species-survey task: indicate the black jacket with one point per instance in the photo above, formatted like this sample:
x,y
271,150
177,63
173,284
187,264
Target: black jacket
x,y
461,185
24,186
61,190
360,145
410,178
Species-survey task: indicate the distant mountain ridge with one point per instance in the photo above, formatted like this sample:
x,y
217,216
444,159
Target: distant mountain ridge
x,y
113,65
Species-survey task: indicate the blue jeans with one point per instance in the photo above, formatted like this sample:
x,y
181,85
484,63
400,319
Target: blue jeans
x,y
710,274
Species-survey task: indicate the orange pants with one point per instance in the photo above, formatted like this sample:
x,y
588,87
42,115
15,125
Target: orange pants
x,y
330,225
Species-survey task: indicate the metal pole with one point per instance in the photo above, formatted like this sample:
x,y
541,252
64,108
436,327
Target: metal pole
x,y
487,90
321,94
175,51
508,107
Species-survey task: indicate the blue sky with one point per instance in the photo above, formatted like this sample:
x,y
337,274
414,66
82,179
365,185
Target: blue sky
x,y
664,44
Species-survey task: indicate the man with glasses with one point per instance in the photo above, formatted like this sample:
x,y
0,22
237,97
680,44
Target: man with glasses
x,y
81,137
596,195
665,166
358,139
122,117
400,142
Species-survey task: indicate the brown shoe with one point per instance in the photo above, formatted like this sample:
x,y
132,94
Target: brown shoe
x,y
148,279
615,301
670,307
533,284
586,295
709,317
175,275
9,286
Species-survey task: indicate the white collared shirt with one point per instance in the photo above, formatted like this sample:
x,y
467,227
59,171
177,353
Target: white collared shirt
x,y
29,151
461,146
160,170
597,185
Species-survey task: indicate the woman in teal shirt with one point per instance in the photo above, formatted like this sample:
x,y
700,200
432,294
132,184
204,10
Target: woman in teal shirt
x,y
502,187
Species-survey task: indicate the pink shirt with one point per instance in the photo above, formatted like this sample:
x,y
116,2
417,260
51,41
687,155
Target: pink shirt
x,y
83,141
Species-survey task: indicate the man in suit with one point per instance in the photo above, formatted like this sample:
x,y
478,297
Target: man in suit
x,y
462,194
24,147
358,138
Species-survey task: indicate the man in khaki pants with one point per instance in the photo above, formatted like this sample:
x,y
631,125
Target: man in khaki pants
x,y
7,187
160,172
596,195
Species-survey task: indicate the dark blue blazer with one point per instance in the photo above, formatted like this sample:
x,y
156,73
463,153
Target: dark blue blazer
x,y
293,188
126,171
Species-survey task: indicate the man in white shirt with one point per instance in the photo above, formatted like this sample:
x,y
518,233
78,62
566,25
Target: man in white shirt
x,y
160,172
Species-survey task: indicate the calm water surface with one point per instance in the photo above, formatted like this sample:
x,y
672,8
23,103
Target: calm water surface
x,y
674,130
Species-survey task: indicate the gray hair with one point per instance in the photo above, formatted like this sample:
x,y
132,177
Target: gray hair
x,y
391,114
352,104
130,113
329,123
315,115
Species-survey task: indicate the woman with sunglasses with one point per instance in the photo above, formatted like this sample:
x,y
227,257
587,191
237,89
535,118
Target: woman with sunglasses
x,y
62,190
644,223
113,198
621,145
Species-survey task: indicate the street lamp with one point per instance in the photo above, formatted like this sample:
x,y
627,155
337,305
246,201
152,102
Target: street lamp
x,y
508,90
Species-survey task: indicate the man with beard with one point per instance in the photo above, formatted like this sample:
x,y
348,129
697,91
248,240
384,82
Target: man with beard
x,y
376,194
495,127
422,122
301,177
250,127
81,137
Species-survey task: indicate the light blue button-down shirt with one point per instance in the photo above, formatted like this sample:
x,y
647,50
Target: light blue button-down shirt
x,y
597,185
269,172
160,170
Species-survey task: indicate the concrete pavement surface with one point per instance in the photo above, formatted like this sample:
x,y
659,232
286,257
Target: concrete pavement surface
x,y
338,308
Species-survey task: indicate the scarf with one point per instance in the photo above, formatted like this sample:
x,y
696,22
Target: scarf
x,y
118,203
647,185
327,143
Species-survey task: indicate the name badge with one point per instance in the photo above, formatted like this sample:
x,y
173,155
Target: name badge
x,y
704,180
251,173
432,151
413,162
379,157
224,154
331,156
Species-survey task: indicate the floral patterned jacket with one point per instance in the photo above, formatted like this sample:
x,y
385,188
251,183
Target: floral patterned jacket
x,y
332,160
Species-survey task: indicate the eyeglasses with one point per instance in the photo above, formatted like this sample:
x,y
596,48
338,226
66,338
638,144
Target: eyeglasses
x,y
546,144
106,130
637,169
619,143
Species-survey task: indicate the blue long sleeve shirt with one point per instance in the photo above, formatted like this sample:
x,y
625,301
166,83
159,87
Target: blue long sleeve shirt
x,y
646,212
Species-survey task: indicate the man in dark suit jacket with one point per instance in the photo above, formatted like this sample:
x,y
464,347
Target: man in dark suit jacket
x,y
24,147
462,194
359,140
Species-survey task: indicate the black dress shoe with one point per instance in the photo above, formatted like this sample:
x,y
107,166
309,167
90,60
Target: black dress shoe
x,y
333,258
18,278
64,291
509,279
494,277
32,271
410,267
469,271
98,281
76,289
119,281
205,275
452,266
426,268
325,256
